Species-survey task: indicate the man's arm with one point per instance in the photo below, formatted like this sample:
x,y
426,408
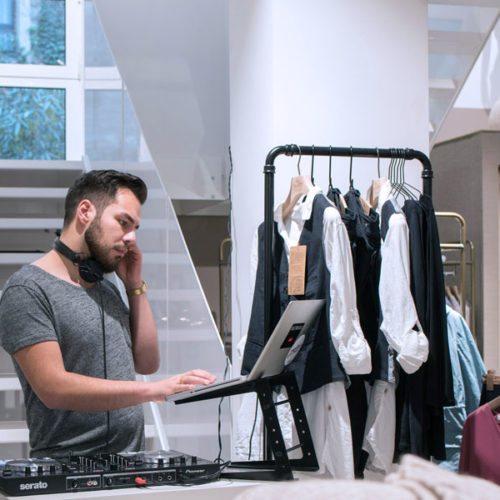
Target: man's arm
x,y
43,367
144,335
142,324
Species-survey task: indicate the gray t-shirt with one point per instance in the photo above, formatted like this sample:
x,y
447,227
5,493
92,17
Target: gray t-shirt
x,y
36,307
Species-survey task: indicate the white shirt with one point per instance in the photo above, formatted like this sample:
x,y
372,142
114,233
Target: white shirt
x,y
399,316
380,427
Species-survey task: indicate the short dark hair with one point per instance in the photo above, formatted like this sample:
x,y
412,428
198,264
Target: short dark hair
x,y
100,187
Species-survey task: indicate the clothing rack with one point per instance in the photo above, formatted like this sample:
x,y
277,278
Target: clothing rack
x,y
293,149
465,249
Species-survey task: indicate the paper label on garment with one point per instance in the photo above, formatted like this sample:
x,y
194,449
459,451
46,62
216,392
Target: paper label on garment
x,y
297,270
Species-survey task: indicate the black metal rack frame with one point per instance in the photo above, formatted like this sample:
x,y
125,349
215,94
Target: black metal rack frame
x,y
293,149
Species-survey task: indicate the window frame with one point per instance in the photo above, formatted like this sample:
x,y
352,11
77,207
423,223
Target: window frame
x,y
69,77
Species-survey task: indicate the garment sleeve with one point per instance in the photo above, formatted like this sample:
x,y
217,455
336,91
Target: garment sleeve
x,y
25,319
398,309
380,429
471,366
347,336
254,262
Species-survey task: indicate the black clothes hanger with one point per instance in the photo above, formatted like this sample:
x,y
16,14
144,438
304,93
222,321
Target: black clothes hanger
x,y
312,165
351,184
334,194
298,161
330,186
352,190
378,163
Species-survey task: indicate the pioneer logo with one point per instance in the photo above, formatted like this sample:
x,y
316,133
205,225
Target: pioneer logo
x,y
33,486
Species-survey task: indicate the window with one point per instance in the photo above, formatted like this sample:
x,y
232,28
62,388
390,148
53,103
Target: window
x,y
41,79
32,123
32,32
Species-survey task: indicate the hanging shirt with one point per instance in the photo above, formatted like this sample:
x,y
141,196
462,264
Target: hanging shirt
x,y
400,329
380,427
422,395
381,419
364,236
468,369
481,445
400,324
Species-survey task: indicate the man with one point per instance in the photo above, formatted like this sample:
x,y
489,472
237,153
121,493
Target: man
x,y
76,346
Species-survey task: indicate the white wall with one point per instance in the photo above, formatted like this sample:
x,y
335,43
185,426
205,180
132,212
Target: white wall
x,y
323,72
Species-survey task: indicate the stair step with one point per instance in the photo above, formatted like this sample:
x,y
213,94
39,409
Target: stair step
x,y
30,223
34,173
31,192
10,384
13,432
12,258
455,42
18,258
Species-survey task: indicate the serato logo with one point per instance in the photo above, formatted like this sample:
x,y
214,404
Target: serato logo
x,y
292,335
33,486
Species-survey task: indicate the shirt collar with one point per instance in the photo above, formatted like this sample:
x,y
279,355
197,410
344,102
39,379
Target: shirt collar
x,y
302,209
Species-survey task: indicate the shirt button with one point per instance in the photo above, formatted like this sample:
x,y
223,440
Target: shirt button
x,y
329,407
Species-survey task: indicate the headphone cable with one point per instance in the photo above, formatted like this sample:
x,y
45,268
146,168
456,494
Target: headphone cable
x,y
104,357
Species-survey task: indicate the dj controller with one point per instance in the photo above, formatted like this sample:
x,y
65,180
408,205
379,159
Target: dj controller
x,y
30,476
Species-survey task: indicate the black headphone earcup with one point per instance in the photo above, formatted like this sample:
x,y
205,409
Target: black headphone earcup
x,y
89,269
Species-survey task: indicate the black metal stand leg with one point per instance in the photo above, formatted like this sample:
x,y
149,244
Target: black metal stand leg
x,y
281,467
309,460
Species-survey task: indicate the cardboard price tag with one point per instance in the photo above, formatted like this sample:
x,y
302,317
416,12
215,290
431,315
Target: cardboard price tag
x,y
297,270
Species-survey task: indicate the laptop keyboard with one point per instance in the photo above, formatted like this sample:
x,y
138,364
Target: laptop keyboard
x,y
216,384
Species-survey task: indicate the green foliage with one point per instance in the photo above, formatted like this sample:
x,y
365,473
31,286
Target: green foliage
x,y
33,120
32,123
48,35
9,52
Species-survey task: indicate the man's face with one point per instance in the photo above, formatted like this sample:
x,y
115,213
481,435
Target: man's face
x,y
109,236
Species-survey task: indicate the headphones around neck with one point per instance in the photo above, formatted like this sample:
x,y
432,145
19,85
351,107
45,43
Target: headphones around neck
x,y
90,270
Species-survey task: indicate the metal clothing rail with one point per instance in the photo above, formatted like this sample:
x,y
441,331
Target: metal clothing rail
x,y
293,149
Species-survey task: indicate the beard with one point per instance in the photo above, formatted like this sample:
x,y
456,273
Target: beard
x,y
99,252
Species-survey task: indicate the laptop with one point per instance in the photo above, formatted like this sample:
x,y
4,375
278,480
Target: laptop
x,y
280,350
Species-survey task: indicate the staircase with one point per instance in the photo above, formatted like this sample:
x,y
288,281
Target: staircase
x,y
32,197
458,31
31,211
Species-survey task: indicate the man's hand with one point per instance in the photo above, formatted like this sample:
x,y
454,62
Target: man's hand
x,y
129,269
182,382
